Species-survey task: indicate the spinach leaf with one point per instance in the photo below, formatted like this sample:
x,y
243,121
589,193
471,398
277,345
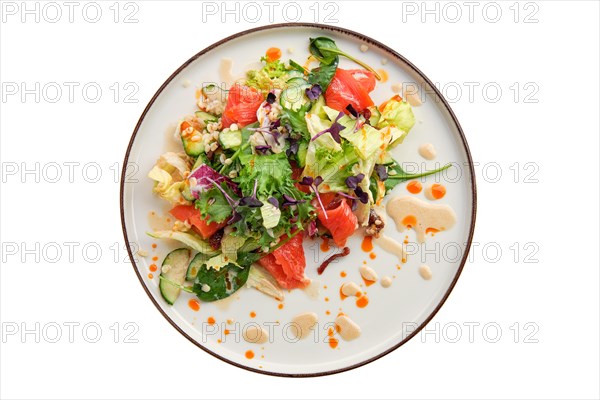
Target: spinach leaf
x,y
399,175
212,285
325,50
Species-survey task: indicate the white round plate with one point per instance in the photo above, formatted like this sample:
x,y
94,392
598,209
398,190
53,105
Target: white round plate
x,y
394,314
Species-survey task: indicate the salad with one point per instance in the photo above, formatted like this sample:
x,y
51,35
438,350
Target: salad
x,y
284,155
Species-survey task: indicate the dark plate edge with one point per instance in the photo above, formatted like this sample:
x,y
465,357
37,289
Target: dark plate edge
x,y
367,40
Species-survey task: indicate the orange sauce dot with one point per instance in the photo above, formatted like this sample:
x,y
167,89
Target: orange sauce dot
x,y
150,276
367,244
155,258
326,298
362,302
409,221
330,332
280,306
153,267
414,187
372,256
343,274
211,321
194,304
328,312
249,354
252,314
153,245
219,341
325,244
273,53
437,191
333,342
226,331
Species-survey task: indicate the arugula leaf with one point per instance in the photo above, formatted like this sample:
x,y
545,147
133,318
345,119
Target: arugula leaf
x,y
325,50
399,175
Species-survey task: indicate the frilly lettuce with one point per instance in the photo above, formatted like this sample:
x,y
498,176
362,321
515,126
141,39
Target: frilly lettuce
x,y
397,113
273,75
168,175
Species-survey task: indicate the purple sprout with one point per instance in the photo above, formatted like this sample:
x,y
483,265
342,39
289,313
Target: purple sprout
x,y
290,201
251,201
314,184
334,130
262,149
353,181
293,149
381,172
313,92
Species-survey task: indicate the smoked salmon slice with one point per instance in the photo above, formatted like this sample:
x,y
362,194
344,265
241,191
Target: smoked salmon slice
x,y
287,264
340,221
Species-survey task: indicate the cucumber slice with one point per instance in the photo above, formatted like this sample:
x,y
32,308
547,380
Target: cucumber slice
x,y
202,159
294,96
298,80
194,266
205,117
294,73
178,261
192,149
186,193
230,139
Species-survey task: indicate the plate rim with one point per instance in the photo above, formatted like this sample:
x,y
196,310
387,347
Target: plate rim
x,y
370,41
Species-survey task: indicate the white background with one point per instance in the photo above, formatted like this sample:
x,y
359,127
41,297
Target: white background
x,y
547,311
